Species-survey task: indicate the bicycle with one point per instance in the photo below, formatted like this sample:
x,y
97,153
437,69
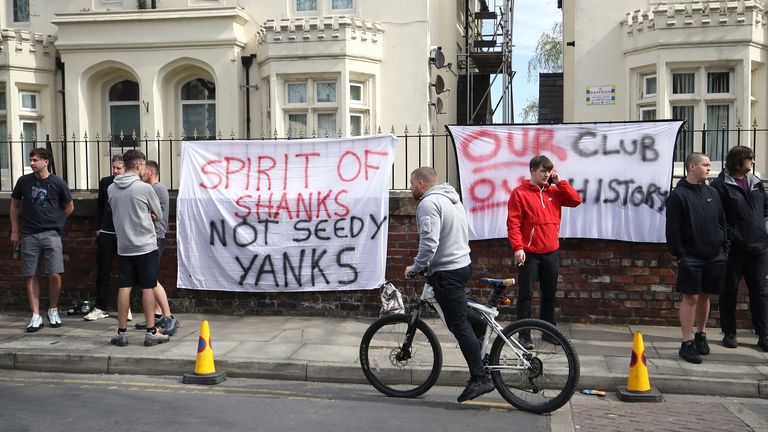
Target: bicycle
x,y
401,356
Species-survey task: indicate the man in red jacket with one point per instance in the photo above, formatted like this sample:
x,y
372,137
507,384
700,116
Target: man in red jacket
x,y
533,226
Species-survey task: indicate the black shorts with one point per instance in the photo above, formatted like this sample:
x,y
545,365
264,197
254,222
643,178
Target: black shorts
x,y
696,276
138,270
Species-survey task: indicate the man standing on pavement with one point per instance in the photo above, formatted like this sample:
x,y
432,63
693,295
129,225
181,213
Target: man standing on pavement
x,y
134,206
106,245
533,228
163,317
746,211
697,236
45,203
444,251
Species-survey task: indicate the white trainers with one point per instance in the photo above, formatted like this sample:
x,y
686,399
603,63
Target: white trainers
x,y
35,324
130,315
53,318
96,314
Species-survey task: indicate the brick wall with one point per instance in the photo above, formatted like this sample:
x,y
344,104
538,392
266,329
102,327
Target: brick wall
x,y
600,281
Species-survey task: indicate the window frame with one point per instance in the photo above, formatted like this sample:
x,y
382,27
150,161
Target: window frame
x,y
14,8
644,109
644,86
728,73
305,11
317,83
362,116
182,103
361,86
330,6
36,98
288,93
684,72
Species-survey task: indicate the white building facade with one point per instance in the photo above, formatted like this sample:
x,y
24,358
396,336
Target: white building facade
x,y
108,71
700,61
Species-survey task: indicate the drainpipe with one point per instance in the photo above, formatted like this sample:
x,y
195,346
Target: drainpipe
x,y
247,62
60,68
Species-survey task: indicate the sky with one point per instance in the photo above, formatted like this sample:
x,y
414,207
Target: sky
x,y
531,19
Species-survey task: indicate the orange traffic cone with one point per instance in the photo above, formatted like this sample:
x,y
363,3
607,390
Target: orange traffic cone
x,y
205,371
638,387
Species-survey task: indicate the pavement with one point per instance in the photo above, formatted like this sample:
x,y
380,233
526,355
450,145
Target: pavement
x,y
326,349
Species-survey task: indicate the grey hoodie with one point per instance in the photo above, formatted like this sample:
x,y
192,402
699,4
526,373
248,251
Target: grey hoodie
x,y
443,230
132,201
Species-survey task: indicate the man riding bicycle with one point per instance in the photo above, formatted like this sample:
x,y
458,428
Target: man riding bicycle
x,y
444,250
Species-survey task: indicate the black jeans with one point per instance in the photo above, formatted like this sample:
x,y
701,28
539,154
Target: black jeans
x,y
545,268
106,249
449,292
754,268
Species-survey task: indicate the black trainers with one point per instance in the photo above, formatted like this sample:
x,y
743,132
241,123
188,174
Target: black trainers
x,y
762,343
525,341
688,352
700,341
476,387
729,340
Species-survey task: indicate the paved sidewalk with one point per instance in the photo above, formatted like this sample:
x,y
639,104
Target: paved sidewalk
x,y
326,349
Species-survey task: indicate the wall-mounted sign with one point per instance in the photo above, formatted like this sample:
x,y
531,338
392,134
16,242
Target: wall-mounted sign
x,y
601,95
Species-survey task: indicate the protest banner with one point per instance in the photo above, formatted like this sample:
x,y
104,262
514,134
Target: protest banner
x,y
299,215
621,170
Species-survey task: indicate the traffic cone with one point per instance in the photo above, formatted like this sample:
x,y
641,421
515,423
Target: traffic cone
x,y
205,371
638,387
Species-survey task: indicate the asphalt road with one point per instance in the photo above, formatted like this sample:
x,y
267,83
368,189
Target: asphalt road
x,y
33,401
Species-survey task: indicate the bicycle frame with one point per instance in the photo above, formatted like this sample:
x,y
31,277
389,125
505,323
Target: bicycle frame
x,y
489,315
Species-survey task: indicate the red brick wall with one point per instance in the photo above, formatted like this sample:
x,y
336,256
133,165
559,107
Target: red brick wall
x,y
601,281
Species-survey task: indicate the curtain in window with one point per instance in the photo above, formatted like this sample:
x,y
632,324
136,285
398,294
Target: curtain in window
x,y
306,5
297,93
341,4
326,92
717,141
684,143
297,123
683,83
718,82
326,124
21,10
356,125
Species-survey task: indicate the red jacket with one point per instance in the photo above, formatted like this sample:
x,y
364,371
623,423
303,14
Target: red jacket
x,y
533,217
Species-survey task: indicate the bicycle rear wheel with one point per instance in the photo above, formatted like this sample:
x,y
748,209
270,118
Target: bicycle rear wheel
x,y
549,380
393,370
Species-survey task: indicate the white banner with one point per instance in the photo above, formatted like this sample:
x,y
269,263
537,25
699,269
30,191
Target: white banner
x,y
622,171
301,215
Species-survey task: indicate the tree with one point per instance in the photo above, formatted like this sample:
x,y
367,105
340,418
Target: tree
x,y
548,57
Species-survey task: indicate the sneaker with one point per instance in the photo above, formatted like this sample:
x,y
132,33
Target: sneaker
x,y
154,339
170,325
476,387
53,318
159,322
35,324
130,315
120,339
700,341
762,343
729,340
549,338
525,341
688,352
96,314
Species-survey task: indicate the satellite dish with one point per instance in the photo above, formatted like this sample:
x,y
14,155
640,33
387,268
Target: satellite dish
x,y
438,104
439,85
439,58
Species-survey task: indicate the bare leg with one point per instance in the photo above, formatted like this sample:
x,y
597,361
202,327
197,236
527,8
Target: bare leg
x,y
54,290
702,312
33,293
148,300
161,301
687,315
123,302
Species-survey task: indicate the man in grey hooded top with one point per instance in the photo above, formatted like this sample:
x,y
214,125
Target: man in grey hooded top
x,y
444,256
134,207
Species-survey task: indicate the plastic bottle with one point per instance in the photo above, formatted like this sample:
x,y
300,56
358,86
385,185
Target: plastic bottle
x,y
593,392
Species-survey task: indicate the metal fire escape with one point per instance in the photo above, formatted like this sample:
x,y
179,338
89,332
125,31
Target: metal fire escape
x,y
487,58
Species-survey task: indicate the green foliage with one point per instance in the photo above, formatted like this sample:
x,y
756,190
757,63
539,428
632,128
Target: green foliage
x,y
530,112
549,53
142,4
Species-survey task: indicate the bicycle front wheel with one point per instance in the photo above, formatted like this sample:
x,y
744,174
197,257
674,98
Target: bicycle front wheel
x,y
394,370
542,379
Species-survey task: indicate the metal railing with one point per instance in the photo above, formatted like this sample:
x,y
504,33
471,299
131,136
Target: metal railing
x,y
81,162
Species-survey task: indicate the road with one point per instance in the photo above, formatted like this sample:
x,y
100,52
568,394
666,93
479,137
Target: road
x,y
32,401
